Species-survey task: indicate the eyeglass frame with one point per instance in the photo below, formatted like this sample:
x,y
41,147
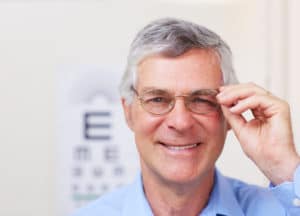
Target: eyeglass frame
x,y
172,104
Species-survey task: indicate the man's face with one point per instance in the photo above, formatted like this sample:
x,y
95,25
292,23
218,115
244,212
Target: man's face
x,y
166,142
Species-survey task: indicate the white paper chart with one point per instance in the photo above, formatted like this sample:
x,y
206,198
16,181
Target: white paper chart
x,y
96,149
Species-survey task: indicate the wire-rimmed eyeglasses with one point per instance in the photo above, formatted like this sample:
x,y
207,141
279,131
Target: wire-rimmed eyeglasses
x,y
160,102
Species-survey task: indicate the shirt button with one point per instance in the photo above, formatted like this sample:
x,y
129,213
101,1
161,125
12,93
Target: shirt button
x,y
296,202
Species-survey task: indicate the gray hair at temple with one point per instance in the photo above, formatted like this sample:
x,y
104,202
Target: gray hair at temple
x,y
172,37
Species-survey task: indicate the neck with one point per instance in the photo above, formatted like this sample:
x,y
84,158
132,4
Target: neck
x,y
171,198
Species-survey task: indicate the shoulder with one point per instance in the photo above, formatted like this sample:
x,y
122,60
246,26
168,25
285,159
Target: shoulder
x,y
127,200
253,198
108,204
245,192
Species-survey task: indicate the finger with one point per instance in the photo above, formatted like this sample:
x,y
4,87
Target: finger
x,y
260,104
250,86
236,121
229,95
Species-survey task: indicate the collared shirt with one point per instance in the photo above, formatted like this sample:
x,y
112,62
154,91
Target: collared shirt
x,y
229,197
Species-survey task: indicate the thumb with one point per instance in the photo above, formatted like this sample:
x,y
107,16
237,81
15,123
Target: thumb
x,y
236,121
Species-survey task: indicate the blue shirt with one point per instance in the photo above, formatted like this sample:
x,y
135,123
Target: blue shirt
x,y
229,197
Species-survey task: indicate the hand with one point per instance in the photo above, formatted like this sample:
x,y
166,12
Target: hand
x,y
266,139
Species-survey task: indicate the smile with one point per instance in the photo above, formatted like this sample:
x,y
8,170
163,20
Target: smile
x,y
181,147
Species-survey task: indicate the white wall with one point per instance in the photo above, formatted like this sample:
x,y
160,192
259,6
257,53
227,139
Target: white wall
x,y
36,37
293,75
27,51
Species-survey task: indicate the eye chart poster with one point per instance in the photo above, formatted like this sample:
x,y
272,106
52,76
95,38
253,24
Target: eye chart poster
x,y
96,151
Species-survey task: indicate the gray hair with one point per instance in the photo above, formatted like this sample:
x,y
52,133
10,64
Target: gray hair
x,y
172,37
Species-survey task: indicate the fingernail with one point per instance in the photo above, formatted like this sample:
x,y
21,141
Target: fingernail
x,y
220,95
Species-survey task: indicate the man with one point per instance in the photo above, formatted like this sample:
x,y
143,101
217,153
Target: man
x,y
180,97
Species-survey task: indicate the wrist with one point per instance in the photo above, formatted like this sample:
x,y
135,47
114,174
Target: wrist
x,y
284,171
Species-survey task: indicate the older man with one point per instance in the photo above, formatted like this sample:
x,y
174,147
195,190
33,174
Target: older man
x,y
180,97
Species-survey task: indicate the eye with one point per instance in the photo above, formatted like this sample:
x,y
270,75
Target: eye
x,y
157,99
202,101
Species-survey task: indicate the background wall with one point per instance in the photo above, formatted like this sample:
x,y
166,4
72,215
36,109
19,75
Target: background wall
x,y
36,37
291,72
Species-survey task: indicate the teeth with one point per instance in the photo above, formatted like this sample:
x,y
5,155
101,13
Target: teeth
x,y
178,148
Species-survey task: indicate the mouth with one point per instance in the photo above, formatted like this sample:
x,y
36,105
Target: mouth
x,y
180,147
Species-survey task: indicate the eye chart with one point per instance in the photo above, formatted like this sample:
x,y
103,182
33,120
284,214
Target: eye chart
x,y
96,150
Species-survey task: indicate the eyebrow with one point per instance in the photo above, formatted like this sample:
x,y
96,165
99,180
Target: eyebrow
x,y
154,90
212,92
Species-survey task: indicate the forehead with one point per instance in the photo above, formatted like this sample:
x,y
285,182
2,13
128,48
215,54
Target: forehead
x,y
195,69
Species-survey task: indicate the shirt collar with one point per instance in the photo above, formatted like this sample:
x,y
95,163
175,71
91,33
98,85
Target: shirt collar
x,y
222,201
135,201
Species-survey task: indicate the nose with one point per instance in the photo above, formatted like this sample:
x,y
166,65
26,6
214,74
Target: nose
x,y
180,118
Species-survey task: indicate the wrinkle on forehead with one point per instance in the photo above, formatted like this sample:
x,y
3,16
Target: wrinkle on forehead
x,y
159,67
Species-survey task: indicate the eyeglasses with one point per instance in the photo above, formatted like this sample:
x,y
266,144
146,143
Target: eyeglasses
x,y
160,102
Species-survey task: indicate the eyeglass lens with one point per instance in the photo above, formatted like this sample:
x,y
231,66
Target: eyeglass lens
x,y
161,102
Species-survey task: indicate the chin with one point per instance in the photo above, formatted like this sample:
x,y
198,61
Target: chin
x,y
186,176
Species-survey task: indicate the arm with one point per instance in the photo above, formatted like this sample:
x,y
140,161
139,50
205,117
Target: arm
x,y
267,139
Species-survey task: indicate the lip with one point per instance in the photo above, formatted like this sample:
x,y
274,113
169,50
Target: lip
x,y
180,147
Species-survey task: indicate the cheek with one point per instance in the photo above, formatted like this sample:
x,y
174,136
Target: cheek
x,y
145,128
144,124
214,120
215,126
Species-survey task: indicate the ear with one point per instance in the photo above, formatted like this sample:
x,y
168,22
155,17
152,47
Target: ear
x,y
127,112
